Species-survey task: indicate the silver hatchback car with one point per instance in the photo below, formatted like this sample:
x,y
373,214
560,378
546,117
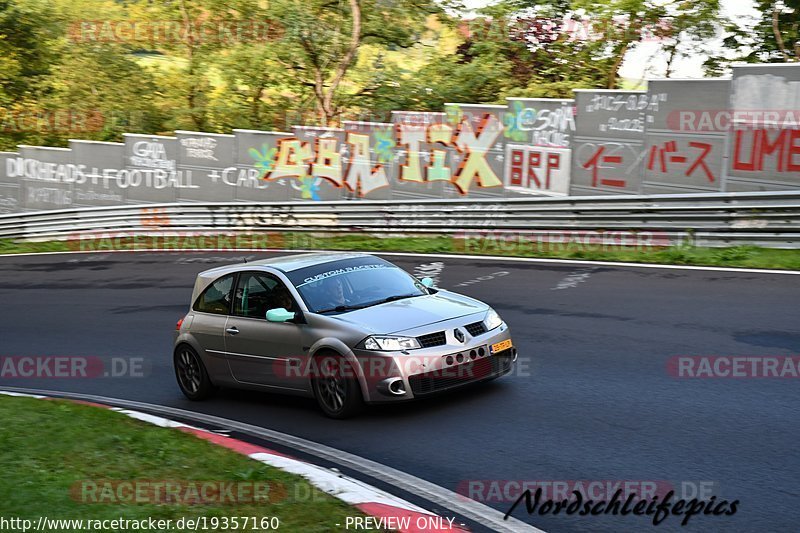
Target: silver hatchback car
x,y
344,328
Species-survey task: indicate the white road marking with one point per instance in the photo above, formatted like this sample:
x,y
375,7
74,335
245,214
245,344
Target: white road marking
x,y
573,279
343,487
430,270
486,277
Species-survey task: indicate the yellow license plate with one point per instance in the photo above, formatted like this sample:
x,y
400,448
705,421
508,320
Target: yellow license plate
x,y
500,346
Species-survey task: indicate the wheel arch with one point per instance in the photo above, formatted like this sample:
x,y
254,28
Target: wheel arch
x,y
333,345
186,340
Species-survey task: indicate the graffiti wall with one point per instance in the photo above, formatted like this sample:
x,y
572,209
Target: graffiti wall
x,y
764,136
681,152
9,185
203,158
256,153
97,161
151,169
372,159
544,122
538,132
609,138
46,177
679,136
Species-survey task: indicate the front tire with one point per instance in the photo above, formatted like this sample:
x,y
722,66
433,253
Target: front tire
x,y
191,374
336,387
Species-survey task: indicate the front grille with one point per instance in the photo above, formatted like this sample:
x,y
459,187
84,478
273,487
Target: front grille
x,y
432,339
461,374
476,328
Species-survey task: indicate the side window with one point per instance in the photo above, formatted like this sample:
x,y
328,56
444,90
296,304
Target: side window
x,y
253,294
257,293
216,298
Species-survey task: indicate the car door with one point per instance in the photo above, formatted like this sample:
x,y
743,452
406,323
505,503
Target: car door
x,y
262,352
210,316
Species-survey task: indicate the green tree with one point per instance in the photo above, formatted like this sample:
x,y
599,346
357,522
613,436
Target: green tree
x,y
255,91
191,36
322,40
29,30
774,37
585,42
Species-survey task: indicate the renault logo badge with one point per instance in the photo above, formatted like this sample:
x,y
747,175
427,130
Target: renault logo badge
x,y
458,334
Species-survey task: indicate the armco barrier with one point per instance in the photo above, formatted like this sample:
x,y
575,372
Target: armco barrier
x,y
717,219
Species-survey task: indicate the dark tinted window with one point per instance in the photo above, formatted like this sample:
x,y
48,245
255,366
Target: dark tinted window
x,y
256,293
355,283
216,298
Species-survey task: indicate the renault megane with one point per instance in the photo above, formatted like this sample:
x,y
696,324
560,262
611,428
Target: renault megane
x,y
344,328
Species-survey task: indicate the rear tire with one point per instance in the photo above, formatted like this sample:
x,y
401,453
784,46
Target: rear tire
x,y
191,374
336,386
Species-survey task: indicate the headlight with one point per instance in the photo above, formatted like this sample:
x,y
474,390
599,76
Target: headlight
x,y
388,343
492,320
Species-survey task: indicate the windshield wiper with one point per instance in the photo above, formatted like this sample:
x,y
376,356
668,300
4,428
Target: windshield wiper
x,y
343,308
395,298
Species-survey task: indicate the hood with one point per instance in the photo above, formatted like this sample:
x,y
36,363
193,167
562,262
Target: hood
x,y
402,315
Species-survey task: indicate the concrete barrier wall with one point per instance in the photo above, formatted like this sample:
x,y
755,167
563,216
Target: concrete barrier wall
x,y
679,136
538,134
10,195
204,157
764,144
99,163
609,139
681,154
151,165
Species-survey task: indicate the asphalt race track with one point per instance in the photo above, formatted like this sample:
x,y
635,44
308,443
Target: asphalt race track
x,y
592,398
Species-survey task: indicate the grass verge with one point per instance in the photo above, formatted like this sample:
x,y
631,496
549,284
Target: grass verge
x,y
736,257
53,451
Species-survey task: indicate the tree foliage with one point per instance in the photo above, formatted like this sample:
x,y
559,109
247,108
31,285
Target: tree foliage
x,y
324,61
774,37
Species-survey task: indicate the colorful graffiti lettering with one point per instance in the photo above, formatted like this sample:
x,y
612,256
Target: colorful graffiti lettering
x,y
362,178
264,159
384,147
512,122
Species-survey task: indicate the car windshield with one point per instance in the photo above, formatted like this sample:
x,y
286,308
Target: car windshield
x,y
352,284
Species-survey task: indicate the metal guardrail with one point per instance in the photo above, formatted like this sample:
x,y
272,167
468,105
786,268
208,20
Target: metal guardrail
x,y
769,219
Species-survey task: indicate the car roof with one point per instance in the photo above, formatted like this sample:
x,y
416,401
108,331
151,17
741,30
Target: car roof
x,y
289,263
285,263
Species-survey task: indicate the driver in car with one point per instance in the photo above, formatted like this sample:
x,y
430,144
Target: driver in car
x,y
334,293
282,298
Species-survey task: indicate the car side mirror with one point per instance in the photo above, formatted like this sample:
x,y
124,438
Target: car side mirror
x,y
428,282
279,314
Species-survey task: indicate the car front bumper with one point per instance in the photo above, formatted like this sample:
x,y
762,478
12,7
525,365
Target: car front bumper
x,y
402,376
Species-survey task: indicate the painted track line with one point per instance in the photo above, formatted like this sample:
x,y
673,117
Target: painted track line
x,y
475,511
534,260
